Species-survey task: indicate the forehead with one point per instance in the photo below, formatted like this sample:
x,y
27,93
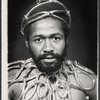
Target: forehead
x,y
45,24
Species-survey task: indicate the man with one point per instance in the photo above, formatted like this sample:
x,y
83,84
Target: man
x,y
48,75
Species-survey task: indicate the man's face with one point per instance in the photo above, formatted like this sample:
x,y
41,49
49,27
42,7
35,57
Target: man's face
x,y
47,44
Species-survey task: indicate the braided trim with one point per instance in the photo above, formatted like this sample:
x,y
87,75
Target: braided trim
x,y
86,72
48,89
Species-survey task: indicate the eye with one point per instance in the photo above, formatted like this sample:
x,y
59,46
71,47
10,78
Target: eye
x,y
38,40
56,38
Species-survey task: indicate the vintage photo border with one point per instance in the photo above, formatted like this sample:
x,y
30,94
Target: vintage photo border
x,y
4,49
4,75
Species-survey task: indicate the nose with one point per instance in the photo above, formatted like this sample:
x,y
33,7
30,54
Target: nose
x,y
48,46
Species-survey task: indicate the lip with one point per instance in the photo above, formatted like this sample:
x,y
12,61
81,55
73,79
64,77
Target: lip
x,y
49,57
49,60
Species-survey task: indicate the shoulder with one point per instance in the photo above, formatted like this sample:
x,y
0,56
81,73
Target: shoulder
x,y
17,72
19,69
13,68
84,77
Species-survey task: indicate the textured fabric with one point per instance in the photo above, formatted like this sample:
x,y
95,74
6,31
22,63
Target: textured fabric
x,y
33,15
35,85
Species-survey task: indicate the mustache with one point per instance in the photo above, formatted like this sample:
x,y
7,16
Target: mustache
x,y
51,55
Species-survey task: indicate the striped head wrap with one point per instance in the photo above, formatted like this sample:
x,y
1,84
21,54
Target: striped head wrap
x,y
46,8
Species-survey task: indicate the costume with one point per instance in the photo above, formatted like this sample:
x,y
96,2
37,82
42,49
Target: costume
x,y
26,82
49,87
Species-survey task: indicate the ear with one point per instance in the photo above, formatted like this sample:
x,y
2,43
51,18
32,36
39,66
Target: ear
x,y
26,42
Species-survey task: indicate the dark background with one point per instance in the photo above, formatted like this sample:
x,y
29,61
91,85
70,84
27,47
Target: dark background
x,y
83,32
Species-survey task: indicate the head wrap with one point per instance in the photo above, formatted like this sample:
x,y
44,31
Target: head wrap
x,y
46,8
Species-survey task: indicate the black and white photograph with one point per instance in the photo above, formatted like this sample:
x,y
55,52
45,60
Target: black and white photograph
x,y
52,49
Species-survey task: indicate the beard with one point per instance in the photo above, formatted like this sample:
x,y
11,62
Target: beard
x,y
49,68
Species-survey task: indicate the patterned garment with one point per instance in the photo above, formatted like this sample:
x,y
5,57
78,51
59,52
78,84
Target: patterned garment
x,y
29,83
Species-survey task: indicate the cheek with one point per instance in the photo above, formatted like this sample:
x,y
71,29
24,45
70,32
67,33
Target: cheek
x,y
60,47
35,49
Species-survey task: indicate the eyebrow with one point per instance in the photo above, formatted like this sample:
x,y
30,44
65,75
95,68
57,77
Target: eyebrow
x,y
42,36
